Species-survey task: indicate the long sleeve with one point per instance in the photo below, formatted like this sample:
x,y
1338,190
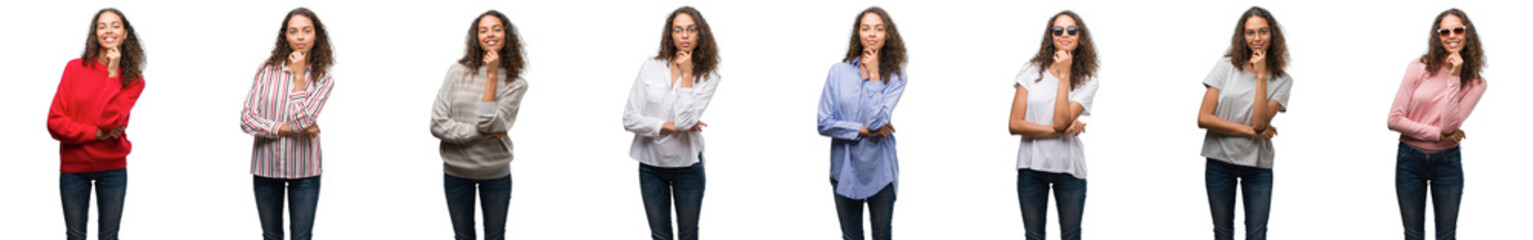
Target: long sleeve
x,y
1399,111
1461,102
442,125
501,114
306,105
693,101
886,100
251,120
120,108
830,124
633,118
63,127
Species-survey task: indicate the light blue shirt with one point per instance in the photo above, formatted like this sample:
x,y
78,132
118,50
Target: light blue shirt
x,y
861,166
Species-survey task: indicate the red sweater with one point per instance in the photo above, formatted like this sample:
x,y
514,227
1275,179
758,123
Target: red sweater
x,y
86,101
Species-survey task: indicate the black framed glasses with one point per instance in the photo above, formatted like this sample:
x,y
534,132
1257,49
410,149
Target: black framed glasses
x,y
688,30
1058,31
1444,32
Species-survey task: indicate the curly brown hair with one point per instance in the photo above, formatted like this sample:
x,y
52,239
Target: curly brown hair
x,y
705,57
319,56
1085,62
891,58
132,62
1473,55
1277,51
513,60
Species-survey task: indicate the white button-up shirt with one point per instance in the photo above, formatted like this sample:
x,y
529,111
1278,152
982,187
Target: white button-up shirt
x,y
652,102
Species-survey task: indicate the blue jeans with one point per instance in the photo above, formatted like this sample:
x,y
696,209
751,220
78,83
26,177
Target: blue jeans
x,y
74,190
494,197
1443,173
880,209
302,193
1033,194
659,185
1255,183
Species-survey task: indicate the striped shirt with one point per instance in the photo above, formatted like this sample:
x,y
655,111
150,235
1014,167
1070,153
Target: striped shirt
x,y
462,121
272,103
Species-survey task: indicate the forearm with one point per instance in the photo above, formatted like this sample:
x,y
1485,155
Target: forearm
x,y
452,131
257,126
492,79
1223,127
693,102
498,116
1259,110
307,105
1032,130
1463,104
1062,104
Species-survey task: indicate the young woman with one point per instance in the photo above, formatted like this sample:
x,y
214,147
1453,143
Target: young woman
x,y
477,104
1057,86
281,112
1439,91
89,118
855,111
1245,90
663,111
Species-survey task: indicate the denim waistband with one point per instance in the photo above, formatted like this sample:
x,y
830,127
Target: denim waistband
x,y
1407,150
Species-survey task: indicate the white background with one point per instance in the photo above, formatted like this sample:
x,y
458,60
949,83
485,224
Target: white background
x,y
767,166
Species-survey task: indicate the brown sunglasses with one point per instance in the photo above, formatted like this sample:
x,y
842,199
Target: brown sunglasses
x,y
1443,32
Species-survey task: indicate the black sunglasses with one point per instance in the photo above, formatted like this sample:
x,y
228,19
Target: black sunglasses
x,y
1443,32
1062,30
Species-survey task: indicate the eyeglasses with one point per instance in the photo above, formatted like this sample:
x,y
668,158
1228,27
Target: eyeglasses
x,y
1443,32
689,30
1072,30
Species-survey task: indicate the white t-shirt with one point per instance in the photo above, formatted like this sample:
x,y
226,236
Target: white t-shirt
x,y
1057,154
1237,89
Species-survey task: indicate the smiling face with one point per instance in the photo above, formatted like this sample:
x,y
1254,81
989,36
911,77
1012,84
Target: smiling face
x,y
1257,34
871,31
491,34
1454,40
300,33
684,33
1065,39
109,30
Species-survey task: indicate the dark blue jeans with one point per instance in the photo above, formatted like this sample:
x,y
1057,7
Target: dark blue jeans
x,y
1255,183
1443,173
659,185
494,198
74,189
302,193
880,209
1033,194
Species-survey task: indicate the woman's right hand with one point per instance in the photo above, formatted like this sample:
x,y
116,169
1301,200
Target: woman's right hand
x,y
1455,136
884,131
1076,128
113,133
1267,133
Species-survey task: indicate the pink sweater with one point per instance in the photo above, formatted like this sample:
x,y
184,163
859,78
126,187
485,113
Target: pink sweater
x,y
1430,104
